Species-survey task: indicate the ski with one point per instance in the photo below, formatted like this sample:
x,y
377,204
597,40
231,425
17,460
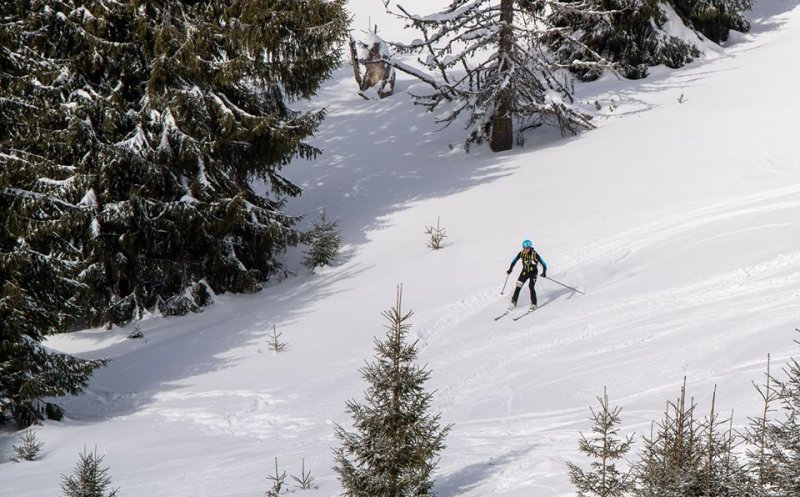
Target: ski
x,y
517,318
501,315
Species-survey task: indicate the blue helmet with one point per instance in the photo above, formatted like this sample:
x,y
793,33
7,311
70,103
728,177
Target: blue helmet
x,y
527,244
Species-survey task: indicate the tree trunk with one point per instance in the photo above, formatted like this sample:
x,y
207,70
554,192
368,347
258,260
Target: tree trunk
x,y
502,134
502,125
354,61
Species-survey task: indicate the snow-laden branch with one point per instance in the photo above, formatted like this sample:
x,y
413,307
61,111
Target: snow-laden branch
x,y
27,194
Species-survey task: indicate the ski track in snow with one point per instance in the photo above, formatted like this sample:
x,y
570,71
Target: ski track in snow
x,y
763,289
451,316
737,286
623,245
734,305
246,413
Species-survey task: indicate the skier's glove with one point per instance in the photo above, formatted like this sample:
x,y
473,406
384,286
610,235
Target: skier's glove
x,y
508,272
544,274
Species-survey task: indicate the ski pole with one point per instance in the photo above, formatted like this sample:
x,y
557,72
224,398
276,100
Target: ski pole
x,y
504,285
565,286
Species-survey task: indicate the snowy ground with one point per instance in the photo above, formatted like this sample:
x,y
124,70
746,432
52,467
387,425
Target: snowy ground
x,y
680,221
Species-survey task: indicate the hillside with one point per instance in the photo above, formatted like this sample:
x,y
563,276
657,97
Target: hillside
x,y
679,221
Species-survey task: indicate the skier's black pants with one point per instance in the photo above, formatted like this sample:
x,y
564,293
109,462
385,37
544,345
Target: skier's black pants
x,y
531,279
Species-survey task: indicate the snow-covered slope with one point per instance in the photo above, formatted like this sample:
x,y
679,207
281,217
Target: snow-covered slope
x,y
680,221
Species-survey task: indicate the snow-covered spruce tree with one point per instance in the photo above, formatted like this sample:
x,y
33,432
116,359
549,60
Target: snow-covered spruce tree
x,y
28,371
714,18
146,122
626,32
605,449
670,462
90,479
762,460
393,449
779,464
490,62
722,473
37,259
685,457
324,241
36,298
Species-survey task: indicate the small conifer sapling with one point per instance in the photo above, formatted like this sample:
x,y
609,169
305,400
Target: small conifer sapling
x,y
672,457
90,479
324,242
605,449
436,236
779,454
394,446
761,443
278,481
305,481
136,333
274,342
722,473
29,446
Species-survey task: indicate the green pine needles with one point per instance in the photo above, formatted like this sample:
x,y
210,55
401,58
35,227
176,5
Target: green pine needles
x,y
324,242
392,450
29,371
36,297
134,166
29,446
776,436
714,18
90,478
130,135
629,33
605,449
634,33
689,456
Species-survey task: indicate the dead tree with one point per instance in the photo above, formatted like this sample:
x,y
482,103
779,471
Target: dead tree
x,y
374,56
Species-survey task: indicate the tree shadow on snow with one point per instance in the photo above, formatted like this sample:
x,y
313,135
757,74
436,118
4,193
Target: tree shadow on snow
x,y
470,477
8,438
380,156
174,349
767,16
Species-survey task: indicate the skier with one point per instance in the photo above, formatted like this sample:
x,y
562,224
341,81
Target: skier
x,y
530,268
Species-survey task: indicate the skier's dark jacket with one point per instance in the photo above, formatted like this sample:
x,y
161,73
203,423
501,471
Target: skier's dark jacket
x,y
529,261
